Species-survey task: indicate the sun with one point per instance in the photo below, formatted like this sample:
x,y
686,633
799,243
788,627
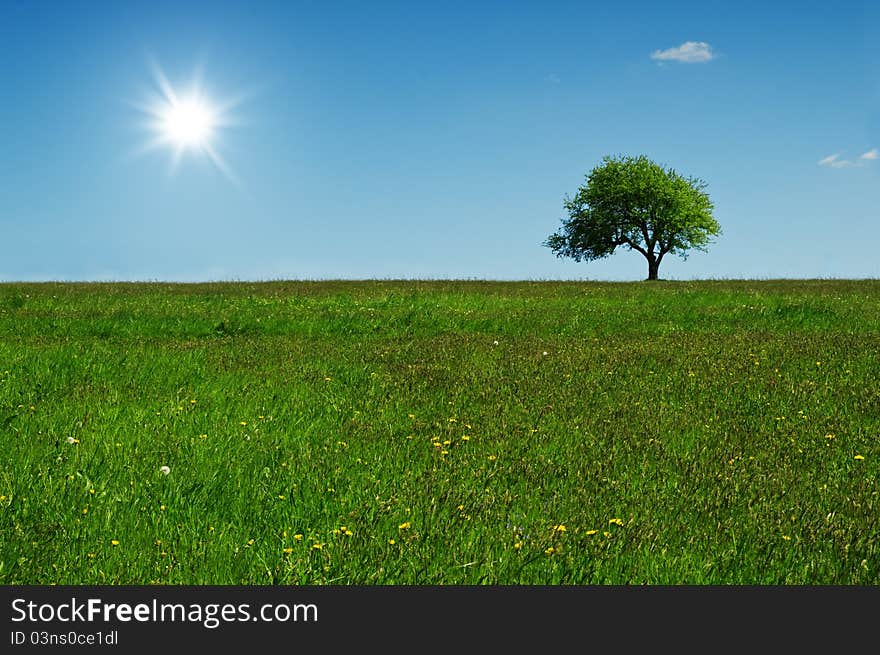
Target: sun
x,y
186,121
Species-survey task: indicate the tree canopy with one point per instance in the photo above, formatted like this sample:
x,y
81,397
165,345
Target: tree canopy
x,y
634,203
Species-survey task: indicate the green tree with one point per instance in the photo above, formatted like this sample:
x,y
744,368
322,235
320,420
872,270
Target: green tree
x,y
634,203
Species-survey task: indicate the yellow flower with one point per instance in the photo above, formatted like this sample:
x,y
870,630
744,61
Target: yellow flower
x,y
615,521
444,452
297,537
517,545
288,551
829,436
550,550
461,508
405,525
492,458
392,542
465,437
91,556
162,507
786,537
317,546
242,423
607,534
859,457
114,542
590,533
559,528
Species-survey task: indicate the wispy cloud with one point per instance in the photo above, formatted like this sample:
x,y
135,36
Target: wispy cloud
x,y
689,52
834,161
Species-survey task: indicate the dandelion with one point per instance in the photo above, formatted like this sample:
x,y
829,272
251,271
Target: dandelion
x,y
829,436
91,555
391,542
406,525
114,542
607,534
465,437
242,423
164,470
492,458
192,402
297,537
517,545
550,550
495,343
444,452
288,551
317,546
559,528
162,508
859,457
615,521
590,533
544,354
785,537
72,440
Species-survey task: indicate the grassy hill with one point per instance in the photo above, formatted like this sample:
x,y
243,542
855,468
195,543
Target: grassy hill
x,y
442,432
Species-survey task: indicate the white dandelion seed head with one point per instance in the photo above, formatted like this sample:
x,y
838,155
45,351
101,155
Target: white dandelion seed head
x,y
71,440
164,470
495,343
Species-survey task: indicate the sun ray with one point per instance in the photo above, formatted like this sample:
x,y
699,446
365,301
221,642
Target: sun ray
x,y
186,120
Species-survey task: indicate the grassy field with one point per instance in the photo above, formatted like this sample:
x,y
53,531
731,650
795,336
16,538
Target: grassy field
x,y
403,432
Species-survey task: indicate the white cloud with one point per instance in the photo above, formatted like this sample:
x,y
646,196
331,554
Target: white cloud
x,y
689,52
834,161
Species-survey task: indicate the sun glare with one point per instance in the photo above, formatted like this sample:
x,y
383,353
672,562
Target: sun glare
x,y
188,123
185,122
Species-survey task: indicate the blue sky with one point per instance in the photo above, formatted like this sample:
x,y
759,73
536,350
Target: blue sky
x,y
432,140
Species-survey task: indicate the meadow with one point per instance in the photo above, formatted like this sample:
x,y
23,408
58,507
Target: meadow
x,y
440,432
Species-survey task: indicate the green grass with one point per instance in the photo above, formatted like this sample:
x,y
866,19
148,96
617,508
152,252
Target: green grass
x,y
680,432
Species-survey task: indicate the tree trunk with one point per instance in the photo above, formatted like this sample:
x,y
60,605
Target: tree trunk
x,y
653,268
